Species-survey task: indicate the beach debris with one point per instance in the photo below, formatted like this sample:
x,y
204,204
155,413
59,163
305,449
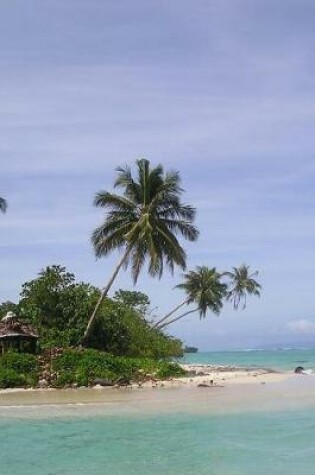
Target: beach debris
x,y
211,385
103,382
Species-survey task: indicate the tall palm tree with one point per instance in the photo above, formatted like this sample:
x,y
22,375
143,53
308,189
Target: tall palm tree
x,y
241,282
143,223
3,205
203,288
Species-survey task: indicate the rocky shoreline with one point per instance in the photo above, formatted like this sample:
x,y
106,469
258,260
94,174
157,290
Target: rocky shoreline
x,y
201,375
197,375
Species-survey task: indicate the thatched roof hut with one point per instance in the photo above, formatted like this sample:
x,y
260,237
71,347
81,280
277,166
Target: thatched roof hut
x,y
18,335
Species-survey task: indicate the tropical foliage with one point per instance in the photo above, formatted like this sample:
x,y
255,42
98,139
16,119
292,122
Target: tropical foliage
x,y
204,289
83,367
241,282
3,205
137,300
207,289
146,222
122,330
18,370
59,308
143,223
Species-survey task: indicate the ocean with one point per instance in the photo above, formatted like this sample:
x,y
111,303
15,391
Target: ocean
x,y
284,359
244,430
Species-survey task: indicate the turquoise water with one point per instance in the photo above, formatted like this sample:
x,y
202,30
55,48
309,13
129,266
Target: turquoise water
x,y
237,430
275,359
274,443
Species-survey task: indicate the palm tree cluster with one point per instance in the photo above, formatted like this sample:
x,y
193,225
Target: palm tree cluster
x,y
207,290
144,223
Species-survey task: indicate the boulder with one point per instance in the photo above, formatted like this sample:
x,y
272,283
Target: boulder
x,y
299,370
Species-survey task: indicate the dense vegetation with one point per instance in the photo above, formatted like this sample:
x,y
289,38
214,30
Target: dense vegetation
x,y
59,308
84,367
123,343
81,368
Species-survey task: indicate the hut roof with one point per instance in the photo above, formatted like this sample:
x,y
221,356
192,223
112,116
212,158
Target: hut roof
x,y
11,327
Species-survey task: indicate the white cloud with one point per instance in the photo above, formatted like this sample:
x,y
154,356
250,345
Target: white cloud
x,y
301,327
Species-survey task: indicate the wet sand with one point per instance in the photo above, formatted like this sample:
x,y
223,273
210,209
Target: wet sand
x,y
270,394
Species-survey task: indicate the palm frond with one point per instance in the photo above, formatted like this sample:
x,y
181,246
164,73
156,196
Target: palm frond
x,y
147,218
185,228
104,199
3,205
241,283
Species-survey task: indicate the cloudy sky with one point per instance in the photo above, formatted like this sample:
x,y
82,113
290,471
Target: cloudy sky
x,y
222,90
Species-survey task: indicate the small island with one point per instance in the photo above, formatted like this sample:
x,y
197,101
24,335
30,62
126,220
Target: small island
x,y
67,334
190,349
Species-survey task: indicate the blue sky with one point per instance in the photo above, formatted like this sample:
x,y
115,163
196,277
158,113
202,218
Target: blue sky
x,y
221,90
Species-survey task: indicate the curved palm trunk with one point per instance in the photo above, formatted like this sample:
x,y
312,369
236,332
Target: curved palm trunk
x,y
156,324
104,293
178,318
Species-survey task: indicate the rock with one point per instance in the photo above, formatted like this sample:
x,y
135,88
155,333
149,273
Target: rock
x,y
299,370
42,383
123,381
103,382
191,373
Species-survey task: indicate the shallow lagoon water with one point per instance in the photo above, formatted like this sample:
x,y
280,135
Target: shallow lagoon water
x,y
244,429
232,444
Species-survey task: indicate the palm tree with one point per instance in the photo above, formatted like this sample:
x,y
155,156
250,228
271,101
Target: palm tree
x,y
204,288
241,283
143,224
3,205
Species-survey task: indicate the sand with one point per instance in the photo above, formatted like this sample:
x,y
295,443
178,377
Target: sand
x,y
204,384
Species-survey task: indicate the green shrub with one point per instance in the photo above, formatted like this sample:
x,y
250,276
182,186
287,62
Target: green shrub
x,y
19,362
82,367
167,370
11,379
18,370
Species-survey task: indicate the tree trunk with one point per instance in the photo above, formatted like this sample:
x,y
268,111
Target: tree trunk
x,y
178,318
104,293
156,324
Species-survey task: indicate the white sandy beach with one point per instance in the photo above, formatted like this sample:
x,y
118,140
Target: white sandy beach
x,y
220,386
